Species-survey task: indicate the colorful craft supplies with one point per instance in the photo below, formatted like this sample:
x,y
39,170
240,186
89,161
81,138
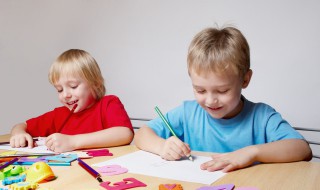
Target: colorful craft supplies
x,y
170,187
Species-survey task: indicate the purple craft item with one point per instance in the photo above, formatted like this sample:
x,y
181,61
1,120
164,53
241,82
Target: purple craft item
x,y
220,187
30,159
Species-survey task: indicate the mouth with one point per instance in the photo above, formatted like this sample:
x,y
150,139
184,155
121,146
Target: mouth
x,y
215,108
71,103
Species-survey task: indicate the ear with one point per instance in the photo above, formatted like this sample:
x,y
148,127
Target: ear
x,y
246,79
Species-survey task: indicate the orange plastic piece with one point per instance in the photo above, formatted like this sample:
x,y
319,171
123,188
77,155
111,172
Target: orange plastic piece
x,y
170,187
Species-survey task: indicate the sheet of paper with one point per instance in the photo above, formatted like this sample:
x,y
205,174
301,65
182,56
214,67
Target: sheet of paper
x,y
41,148
142,162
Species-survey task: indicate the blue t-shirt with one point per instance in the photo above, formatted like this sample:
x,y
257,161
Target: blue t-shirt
x,y
257,123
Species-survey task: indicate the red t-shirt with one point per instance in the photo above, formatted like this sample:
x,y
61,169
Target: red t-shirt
x,y
106,113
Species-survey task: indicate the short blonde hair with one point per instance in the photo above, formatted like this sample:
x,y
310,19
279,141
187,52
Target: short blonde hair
x,y
219,50
79,63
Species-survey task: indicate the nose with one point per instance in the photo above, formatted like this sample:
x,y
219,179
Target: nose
x,y
211,99
66,94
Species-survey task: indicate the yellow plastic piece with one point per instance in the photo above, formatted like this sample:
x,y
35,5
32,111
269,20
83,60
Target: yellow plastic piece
x,y
23,186
39,172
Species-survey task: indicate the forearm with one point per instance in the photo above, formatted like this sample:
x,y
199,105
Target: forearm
x,y
146,139
115,136
289,150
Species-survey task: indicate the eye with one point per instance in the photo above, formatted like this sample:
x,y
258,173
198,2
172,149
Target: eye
x,y
200,91
59,90
223,91
74,86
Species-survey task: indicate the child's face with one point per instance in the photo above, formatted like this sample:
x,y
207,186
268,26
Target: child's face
x,y
74,90
219,94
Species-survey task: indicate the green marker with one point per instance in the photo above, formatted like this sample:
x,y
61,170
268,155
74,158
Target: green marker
x,y
168,125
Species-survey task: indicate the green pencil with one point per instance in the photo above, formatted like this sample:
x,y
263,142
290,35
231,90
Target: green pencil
x,y
168,125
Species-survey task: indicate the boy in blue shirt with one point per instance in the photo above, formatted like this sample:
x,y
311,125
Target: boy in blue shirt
x,y
221,120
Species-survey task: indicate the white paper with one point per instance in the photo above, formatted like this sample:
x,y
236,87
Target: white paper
x,y
142,162
41,148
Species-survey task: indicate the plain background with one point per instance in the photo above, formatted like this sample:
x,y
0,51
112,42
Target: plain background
x,y
141,47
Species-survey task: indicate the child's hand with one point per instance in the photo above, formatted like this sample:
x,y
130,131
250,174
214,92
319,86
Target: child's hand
x,y
174,149
231,161
21,140
58,142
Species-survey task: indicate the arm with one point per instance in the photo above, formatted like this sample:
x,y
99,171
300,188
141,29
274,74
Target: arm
x,y
170,149
289,150
19,136
114,136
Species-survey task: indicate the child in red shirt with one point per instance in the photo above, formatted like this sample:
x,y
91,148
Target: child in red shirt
x,y
87,119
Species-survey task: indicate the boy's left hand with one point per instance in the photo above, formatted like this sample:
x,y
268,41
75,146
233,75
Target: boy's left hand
x,y
231,161
58,142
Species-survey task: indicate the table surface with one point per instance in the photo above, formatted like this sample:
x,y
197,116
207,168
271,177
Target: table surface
x,y
297,175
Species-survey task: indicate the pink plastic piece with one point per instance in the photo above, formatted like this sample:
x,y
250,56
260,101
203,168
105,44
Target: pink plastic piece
x,y
127,183
112,170
100,152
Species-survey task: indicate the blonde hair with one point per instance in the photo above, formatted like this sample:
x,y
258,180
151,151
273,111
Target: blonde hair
x,y
79,63
219,50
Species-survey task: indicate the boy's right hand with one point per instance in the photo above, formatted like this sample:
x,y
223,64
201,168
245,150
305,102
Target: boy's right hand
x,y
21,140
174,149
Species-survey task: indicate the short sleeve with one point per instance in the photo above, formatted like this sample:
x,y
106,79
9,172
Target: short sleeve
x,y
114,113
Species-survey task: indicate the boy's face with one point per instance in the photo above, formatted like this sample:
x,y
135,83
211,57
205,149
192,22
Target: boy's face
x,y
219,94
74,90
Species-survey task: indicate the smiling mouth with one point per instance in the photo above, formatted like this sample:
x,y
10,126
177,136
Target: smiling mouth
x,y
71,103
215,109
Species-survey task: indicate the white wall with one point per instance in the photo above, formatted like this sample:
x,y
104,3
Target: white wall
x,y
141,46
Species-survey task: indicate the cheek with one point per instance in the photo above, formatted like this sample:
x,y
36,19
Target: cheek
x,y
60,97
232,98
200,98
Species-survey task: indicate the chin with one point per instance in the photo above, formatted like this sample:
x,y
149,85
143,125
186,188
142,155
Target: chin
x,y
216,116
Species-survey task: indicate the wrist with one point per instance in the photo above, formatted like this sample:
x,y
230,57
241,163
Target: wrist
x,y
254,152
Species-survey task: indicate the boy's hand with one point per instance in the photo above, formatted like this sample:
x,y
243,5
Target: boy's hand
x,y
21,140
231,161
174,149
58,142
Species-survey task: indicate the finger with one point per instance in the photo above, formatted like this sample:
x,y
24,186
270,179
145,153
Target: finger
x,y
22,142
48,139
186,150
182,148
16,143
229,168
205,165
12,142
29,141
167,156
49,143
175,153
217,166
